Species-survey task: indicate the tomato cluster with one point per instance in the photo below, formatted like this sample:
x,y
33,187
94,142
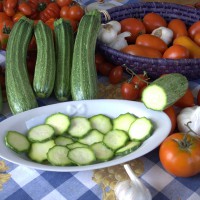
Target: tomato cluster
x,y
46,10
185,42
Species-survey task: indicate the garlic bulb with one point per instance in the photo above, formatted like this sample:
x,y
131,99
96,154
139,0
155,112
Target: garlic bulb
x,y
132,189
163,33
189,114
116,25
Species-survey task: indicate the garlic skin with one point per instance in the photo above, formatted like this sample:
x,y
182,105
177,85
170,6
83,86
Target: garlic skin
x,y
163,33
186,115
132,189
116,25
120,41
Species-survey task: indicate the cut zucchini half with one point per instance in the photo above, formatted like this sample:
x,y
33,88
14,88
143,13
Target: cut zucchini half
x,y
123,121
92,137
63,141
102,152
57,155
129,148
115,139
40,133
82,156
101,122
59,121
17,141
38,151
79,126
140,129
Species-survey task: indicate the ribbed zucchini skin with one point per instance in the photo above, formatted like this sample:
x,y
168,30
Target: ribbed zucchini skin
x,y
44,75
83,74
64,45
19,91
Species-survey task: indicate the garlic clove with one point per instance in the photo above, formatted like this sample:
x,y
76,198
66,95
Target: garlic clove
x,y
116,25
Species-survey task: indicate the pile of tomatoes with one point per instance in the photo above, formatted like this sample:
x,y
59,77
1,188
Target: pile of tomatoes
x,y
46,10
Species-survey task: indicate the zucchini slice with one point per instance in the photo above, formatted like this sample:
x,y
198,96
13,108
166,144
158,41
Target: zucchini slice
x,y
140,129
115,139
82,156
79,126
57,155
123,121
59,121
76,145
101,122
40,133
17,141
63,141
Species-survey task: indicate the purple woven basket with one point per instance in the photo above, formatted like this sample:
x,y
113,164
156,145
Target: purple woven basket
x,y
153,66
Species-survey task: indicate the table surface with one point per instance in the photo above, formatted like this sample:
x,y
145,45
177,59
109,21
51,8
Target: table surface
x,y
29,184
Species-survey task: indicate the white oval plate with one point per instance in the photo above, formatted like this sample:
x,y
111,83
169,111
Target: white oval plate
x,y
112,108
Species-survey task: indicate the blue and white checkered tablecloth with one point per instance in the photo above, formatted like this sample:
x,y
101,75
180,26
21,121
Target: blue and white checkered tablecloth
x,y
30,184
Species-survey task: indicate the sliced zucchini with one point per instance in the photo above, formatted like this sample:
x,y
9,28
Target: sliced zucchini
x,y
79,126
63,141
75,145
123,121
17,141
102,152
115,139
130,147
57,155
92,137
101,122
40,133
140,129
59,121
38,150
82,156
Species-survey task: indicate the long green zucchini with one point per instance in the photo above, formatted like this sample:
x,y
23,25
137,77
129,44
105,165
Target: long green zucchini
x,y
64,45
83,74
44,75
164,91
19,91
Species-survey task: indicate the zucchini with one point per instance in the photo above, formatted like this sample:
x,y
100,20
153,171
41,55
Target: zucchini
x,y
64,44
83,74
164,91
17,142
19,91
63,141
45,67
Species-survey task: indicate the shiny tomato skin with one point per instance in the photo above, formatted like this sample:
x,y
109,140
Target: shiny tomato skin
x,y
115,75
152,21
62,3
64,12
176,52
25,8
17,16
10,3
76,12
140,80
151,41
105,68
194,28
178,27
129,91
180,162
134,26
139,50
197,38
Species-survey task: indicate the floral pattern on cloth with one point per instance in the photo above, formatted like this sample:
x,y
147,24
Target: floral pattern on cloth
x,y
4,177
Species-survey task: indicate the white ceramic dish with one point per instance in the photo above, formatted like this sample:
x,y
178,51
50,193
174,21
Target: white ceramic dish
x,y
23,121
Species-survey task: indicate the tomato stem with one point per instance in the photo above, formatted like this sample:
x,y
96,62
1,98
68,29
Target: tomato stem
x,y
6,29
190,130
41,6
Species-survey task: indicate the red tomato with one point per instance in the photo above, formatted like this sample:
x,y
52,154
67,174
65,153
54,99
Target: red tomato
x,y
105,68
64,12
176,52
10,3
178,27
76,12
25,8
198,98
186,101
9,11
139,50
194,28
197,38
62,3
4,17
152,41
152,21
17,16
50,23
129,91
99,59
116,74
170,111
179,155
140,80
134,26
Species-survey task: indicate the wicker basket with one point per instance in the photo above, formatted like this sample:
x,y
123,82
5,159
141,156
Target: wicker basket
x,y
155,66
